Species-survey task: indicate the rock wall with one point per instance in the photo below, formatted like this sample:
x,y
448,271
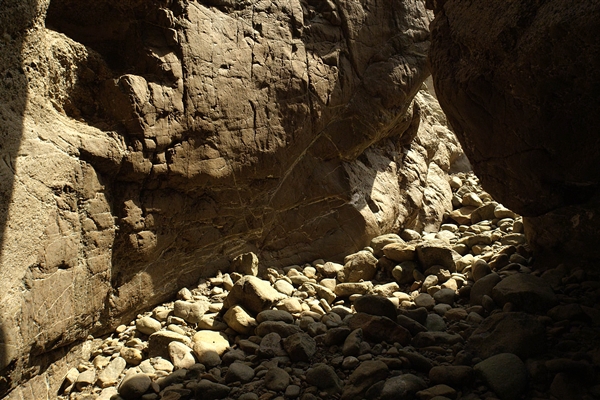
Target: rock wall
x,y
146,144
519,82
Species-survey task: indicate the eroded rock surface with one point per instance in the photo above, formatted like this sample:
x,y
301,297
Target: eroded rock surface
x,y
146,144
519,83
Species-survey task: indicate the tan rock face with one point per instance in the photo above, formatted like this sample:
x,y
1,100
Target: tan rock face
x,y
147,145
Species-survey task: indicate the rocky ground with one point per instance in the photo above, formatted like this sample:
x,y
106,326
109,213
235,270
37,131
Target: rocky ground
x,y
456,314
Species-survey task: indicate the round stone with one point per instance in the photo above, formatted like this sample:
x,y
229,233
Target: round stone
x,y
134,386
324,377
435,323
424,300
239,372
505,374
445,296
147,325
277,379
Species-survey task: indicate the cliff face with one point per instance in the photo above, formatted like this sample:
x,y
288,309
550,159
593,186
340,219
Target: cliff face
x,y
146,144
520,84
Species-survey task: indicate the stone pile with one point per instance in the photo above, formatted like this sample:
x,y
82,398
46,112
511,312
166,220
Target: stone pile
x,y
454,314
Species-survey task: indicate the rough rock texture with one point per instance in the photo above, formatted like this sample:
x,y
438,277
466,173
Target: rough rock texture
x,y
519,82
146,144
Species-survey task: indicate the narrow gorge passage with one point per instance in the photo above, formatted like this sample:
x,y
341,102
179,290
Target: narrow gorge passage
x,y
151,146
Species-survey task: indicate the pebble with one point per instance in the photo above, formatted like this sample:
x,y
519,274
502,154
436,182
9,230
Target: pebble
x,y
505,374
375,305
86,378
181,355
111,373
402,386
527,292
191,312
445,296
277,379
424,300
413,316
147,325
435,323
483,287
239,372
325,378
300,346
134,386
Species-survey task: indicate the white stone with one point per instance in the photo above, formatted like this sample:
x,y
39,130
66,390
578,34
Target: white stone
x,y
181,355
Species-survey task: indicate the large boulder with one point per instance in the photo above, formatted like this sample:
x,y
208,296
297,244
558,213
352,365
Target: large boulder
x,y
147,144
519,82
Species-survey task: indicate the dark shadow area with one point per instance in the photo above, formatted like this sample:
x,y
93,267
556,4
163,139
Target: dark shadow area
x,y
16,16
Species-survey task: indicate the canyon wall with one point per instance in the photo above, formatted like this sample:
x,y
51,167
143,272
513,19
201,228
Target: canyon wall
x,y
146,144
520,84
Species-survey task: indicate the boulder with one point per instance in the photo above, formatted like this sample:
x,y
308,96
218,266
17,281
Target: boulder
x,y
379,242
380,329
190,311
483,287
134,386
300,346
245,264
276,379
375,305
436,252
403,273
363,377
217,341
451,374
181,355
513,332
360,266
505,374
403,386
158,343
399,252
239,372
271,346
348,289
239,320
110,374
253,294
526,292
325,378
509,76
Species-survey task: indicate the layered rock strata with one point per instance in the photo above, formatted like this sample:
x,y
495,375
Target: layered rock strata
x,y
145,145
